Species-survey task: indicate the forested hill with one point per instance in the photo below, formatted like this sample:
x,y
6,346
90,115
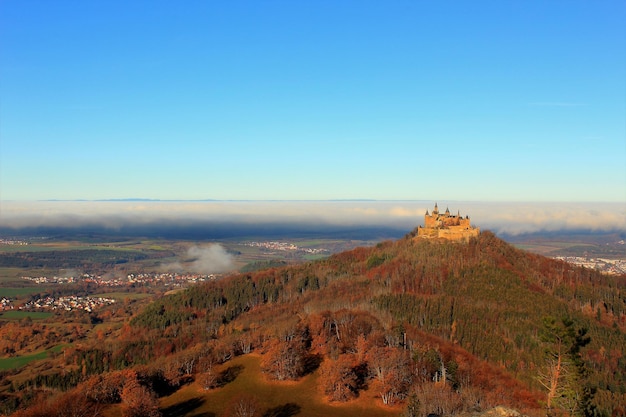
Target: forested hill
x,y
423,326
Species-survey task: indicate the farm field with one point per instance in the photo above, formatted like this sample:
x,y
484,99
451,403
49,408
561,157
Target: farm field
x,y
19,291
19,315
20,361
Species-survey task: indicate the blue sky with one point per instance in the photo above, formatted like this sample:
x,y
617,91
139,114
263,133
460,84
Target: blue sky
x,y
294,100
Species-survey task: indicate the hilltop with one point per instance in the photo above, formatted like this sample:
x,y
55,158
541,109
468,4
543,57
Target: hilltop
x,y
412,326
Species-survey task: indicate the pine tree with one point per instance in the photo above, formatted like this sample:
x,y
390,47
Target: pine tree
x,y
565,374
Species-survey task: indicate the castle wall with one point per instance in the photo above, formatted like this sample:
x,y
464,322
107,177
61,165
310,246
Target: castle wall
x,y
458,234
454,233
427,232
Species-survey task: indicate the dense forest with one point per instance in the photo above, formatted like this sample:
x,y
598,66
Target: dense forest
x,y
428,326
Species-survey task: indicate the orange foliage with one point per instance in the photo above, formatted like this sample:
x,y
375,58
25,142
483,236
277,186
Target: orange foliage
x,y
338,378
138,401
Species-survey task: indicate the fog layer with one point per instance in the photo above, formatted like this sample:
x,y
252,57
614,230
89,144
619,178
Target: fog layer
x,y
356,219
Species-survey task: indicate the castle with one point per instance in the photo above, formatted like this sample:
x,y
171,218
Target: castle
x,y
446,226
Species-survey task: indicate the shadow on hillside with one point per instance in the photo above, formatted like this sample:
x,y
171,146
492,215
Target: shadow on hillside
x,y
285,410
228,375
311,363
186,407
162,386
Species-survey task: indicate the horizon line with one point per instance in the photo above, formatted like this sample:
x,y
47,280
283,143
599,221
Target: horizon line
x,y
165,200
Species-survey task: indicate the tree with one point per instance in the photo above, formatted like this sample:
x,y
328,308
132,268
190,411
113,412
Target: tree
x,y
243,405
104,388
565,374
71,404
75,404
339,379
391,366
284,360
413,406
138,401
438,399
208,376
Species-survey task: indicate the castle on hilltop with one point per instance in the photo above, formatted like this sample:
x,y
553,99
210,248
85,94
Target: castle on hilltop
x,y
446,226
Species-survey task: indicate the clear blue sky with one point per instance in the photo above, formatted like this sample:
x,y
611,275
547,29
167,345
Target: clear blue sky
x,y
462,100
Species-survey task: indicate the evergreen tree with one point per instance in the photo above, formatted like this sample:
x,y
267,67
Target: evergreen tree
x,y
566,373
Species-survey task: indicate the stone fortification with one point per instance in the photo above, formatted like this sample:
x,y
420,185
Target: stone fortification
x,y
446,226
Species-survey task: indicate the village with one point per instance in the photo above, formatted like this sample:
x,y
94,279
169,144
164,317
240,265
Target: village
x,y
163,278
67,303
284,246
73,302
608,266
64,303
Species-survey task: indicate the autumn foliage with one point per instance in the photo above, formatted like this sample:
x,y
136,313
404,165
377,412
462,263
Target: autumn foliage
x,y
438,327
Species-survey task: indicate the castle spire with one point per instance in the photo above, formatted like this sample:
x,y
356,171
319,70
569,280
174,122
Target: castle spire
x,y
436,209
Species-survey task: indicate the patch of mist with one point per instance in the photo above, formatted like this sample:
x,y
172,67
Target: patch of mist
x,y
69,273
211,259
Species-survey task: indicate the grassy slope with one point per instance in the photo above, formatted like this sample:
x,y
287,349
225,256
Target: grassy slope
x,y
19,361
274,398
11,292
301,395
19,315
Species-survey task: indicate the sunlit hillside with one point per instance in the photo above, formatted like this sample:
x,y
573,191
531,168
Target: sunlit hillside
x,y
413,326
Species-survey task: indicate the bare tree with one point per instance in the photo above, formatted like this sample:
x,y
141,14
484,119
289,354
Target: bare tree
x,y
244,405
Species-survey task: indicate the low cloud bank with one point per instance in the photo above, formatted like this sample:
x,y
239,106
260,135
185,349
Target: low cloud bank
x,y
211,259
357,219
523,218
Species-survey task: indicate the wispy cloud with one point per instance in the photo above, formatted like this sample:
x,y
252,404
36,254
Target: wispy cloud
x,y
556,104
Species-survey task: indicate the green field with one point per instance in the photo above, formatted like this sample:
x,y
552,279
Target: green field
x,y
19,361
43,248
13,276
314,257
19,291
18,315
